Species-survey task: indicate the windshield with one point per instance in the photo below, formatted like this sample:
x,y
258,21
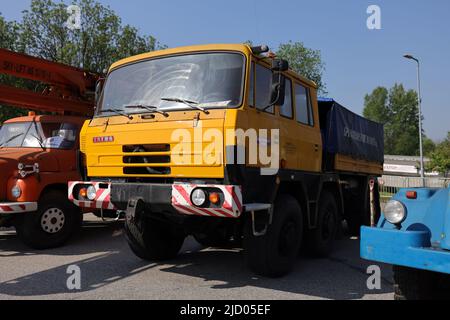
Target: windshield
x,y
38,135
208,80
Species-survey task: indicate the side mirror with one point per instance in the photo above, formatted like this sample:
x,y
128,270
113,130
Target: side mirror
x,y
280,65
278,89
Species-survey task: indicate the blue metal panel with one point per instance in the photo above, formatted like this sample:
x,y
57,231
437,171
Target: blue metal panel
x,y
423,239
404,248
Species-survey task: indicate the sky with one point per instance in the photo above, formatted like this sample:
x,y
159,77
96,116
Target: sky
x,y
357,59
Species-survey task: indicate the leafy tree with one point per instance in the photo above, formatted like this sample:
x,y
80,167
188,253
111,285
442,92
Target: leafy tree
x,y
43,32
404,124
10,39
376,105
304,61
101,40
440,158
428,146
398,110
9,34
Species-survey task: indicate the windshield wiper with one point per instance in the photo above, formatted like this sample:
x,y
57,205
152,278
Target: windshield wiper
x,y
189,103
39,139
118,112
150,109
11,139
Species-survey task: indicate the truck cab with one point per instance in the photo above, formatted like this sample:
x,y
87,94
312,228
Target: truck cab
x,y
38,155
413,236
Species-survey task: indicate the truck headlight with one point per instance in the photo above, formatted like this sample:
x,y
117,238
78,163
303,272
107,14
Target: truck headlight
x,y
395,212
16,192
198,197
91,193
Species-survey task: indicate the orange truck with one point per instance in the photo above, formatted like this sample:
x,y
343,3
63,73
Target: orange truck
x,y
39,153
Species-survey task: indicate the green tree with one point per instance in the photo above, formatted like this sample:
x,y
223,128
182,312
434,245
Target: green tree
x,y
304,61
10,39
428,146
398,110
376,105
43,32
440,158
101,40
9,34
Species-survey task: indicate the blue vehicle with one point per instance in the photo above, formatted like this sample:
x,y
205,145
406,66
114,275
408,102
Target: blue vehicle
x,y
413,235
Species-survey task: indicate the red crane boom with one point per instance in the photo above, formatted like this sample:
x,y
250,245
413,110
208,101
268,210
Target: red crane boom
x,y
69,90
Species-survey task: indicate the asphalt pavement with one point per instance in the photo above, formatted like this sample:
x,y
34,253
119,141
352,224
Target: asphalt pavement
x,y
109,270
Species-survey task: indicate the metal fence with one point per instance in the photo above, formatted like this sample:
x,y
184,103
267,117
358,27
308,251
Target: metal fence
x,y
390,185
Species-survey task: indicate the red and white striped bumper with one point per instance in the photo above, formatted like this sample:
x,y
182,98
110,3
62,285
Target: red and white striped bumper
x,y
17,207
231,207
102,198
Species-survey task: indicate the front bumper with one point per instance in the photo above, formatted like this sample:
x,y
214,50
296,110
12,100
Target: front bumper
x,y
159,197
403,248
17,207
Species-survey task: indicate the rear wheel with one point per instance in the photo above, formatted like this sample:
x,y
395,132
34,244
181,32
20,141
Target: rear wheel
x,y
320,241
274,253
52,225
152,239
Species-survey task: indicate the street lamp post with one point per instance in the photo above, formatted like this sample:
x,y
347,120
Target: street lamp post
x,y
422,168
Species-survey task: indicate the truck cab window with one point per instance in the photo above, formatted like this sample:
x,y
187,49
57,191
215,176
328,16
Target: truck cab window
x,y
302,105
263,88
286,108
59,136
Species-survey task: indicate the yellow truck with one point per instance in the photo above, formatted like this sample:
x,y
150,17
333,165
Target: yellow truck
x,y
225,143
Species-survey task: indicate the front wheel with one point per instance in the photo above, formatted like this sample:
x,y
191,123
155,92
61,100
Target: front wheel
x,y
152,239
415,284
52,225
274,254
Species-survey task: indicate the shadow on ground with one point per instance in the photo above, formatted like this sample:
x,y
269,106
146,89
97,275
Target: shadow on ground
x,y
342,276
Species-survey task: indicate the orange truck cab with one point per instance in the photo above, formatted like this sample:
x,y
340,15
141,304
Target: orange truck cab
x,y
39,153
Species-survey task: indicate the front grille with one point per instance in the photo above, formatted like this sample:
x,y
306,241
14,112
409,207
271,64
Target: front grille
x,y
157,156
146,170
146,148
146,159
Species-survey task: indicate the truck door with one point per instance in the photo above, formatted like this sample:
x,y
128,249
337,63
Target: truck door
x,y
258,118
306,132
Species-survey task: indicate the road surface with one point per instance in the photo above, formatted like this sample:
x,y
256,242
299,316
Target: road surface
x,y
110,271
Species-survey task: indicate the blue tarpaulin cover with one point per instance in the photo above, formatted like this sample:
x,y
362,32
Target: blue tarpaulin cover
x,y
349,134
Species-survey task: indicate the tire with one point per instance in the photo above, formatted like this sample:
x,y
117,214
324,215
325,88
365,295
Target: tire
x,y
413,284
274,254
52,225
320,241
151,239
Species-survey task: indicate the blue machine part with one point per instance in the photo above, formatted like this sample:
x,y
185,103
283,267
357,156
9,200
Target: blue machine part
x,y
422,241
